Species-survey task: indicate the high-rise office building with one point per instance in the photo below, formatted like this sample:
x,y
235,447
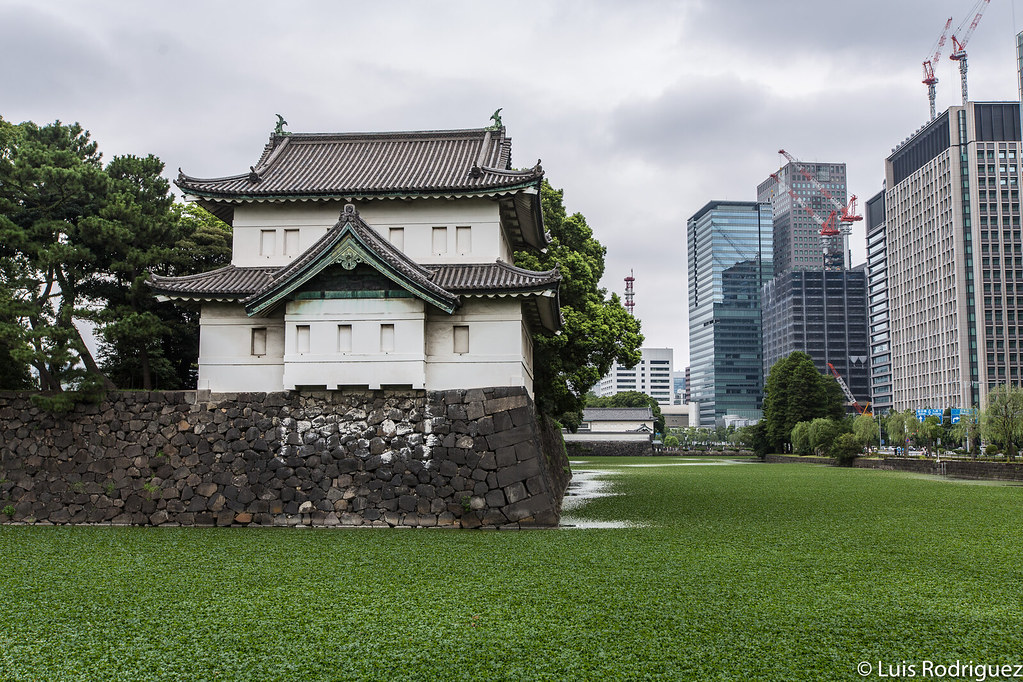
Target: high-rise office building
x,y
730,247
877,308
955,257
796,236
651,375
822,313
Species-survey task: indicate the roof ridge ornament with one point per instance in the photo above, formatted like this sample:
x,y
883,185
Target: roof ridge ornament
x,y
496,118
349,213
279,128
253,175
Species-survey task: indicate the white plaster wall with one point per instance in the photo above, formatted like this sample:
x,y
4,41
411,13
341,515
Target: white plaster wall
x,y
417,218
598,426
495,356
325,365
226,363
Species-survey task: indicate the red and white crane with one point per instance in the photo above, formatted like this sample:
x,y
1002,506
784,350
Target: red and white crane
x,y
830,244
848,394
961,36
846,213
930,80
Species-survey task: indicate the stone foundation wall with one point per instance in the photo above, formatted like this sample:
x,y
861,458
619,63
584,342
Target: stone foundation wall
x,y
953,468
469,459
609,448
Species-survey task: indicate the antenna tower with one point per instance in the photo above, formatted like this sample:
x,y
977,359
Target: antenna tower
x,y
630,303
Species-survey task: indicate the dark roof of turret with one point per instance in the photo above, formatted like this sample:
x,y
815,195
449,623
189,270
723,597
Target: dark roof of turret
x,y
349,165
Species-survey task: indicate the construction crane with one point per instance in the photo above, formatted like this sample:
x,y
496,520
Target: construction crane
x,y
846,212
961,36
830,244
848,394
930,80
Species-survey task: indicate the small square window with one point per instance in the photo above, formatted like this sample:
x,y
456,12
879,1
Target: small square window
x,y
258,345
461,339
387,338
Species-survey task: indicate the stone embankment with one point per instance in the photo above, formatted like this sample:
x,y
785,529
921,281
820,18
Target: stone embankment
x,y
952,468
469,459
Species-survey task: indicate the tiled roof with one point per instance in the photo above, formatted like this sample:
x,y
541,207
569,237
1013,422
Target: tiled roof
x,y
491,277
477,278
605,414
349,165
228,282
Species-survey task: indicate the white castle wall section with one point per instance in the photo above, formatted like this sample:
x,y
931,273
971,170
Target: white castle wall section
x,y
426,230
498,350
227,361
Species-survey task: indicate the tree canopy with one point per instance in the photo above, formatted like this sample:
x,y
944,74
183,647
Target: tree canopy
x,y
77,241
795,392
598,330
1002,421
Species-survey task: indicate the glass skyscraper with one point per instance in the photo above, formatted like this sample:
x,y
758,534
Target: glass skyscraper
x,y
730,249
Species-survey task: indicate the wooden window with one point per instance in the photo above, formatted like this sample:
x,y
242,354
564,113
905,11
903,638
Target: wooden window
x,y
396,235
291,243
302,338
440,241
387,338
461,339
463,240
344,338
258,346
267,242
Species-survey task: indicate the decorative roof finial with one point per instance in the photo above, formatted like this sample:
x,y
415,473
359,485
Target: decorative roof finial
x,y
348,213
279,128
496,118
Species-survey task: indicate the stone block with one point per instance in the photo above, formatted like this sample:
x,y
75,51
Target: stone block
x,y
496,499
509,436
515,492
519,472
504,404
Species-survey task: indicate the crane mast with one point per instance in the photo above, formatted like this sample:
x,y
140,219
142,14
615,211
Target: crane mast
x,y
845,389
930,80
961,36
846,213
830,242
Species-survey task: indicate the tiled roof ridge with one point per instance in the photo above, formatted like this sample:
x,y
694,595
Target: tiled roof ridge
x,y
468,160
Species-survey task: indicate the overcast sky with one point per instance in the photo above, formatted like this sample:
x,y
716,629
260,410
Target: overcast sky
x,y
642,111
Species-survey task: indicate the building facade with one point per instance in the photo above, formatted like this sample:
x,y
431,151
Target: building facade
x,y
823,314
877,306
955,258
796,235
729,253
371,261
651,375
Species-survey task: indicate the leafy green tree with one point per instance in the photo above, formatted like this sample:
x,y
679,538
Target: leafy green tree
x,y
796,391
846,448
866,429
1002,421
52,189
598,330
148,344
801,439
670,442
822,433
77,242
928,433
967,431
901,427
